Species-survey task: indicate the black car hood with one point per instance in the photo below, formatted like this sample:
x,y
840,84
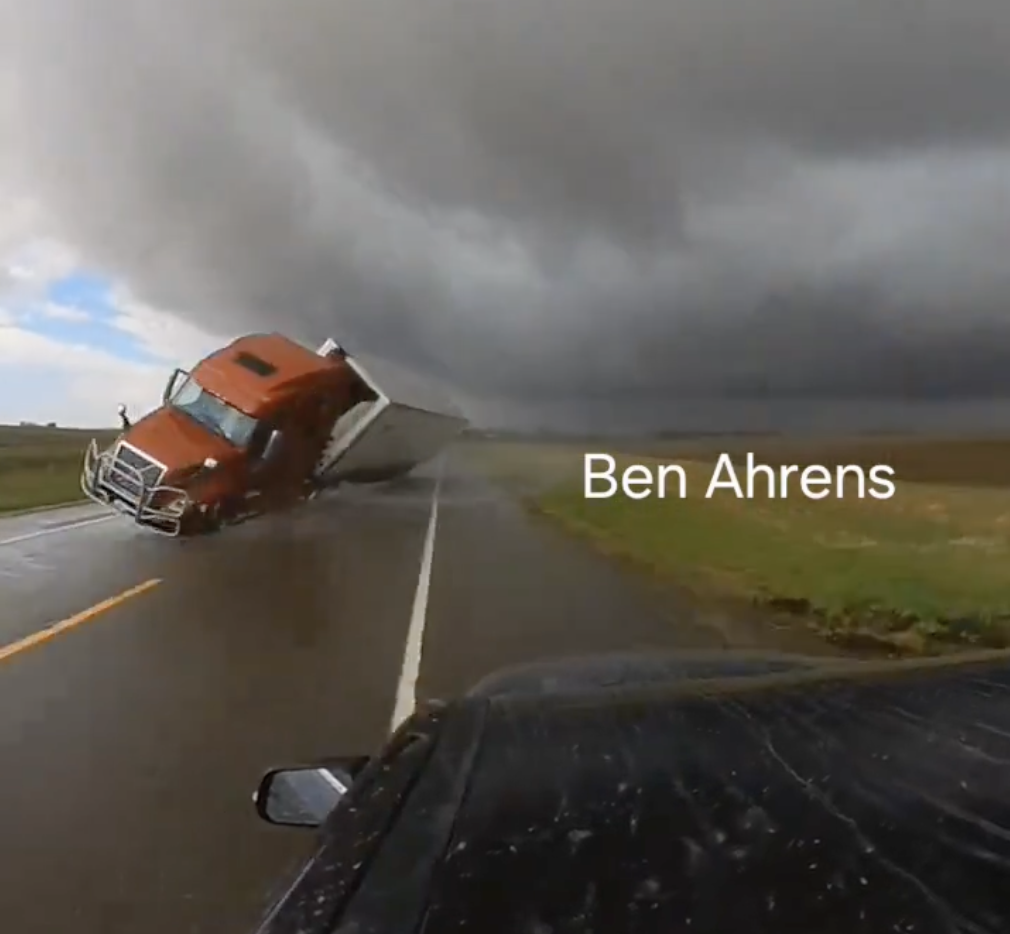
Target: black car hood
x,y
860,800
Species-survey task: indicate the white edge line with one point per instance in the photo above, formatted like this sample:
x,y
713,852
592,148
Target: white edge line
x,y
406,699
38,533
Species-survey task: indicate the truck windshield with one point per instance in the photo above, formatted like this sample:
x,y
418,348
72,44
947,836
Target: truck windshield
x,y
213,413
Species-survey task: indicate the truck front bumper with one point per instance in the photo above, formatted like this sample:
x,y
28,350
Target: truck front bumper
x,y
107,480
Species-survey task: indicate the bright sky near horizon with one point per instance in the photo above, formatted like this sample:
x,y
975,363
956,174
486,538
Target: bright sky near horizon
x,y
74,343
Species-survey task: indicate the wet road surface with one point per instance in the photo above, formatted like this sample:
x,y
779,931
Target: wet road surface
x,y
134,731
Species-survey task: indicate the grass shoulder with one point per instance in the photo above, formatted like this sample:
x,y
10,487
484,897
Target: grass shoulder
x,y
920,572
42,466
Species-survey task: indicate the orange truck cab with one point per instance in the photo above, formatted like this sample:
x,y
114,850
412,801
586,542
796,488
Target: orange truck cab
x,y
256,426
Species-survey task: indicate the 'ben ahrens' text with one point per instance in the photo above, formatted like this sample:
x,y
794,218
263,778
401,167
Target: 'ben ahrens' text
x,y
637,481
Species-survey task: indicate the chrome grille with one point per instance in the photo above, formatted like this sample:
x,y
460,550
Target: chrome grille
x,y
130,482
130,471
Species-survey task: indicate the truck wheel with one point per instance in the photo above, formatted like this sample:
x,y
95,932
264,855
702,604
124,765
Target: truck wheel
x,y
212,519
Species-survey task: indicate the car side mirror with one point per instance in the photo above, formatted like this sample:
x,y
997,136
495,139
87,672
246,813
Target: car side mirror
x,y
301,796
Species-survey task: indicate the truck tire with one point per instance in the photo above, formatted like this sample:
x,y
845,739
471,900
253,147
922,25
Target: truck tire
x,y
213,519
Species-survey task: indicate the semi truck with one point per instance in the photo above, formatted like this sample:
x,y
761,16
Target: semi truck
x,y
262,424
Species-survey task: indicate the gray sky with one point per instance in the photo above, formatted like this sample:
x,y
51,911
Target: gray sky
x,y
571,202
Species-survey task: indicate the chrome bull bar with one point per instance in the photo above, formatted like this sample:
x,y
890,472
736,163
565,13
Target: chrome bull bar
x,y
99,476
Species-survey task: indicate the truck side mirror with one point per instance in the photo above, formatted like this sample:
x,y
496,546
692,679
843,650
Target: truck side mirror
x,y
273,445
173,384
123,417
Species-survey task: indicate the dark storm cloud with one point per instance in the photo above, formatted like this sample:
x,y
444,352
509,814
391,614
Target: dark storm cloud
x,y
568,200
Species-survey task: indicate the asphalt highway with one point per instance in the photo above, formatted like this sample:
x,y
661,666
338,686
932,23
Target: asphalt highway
x,y
145,684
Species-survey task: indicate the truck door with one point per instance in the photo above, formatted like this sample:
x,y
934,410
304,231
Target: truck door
x,y
286,452
271,464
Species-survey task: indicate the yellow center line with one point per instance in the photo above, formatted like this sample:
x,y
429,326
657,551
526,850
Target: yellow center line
x,y
50,632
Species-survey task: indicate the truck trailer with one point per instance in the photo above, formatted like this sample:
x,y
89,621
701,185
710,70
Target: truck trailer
x,y
262,424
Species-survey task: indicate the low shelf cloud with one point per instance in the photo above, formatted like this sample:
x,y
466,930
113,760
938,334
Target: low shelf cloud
x,y
557,205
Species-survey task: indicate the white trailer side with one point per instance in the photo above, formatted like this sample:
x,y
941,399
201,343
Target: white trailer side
x,y
409,422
